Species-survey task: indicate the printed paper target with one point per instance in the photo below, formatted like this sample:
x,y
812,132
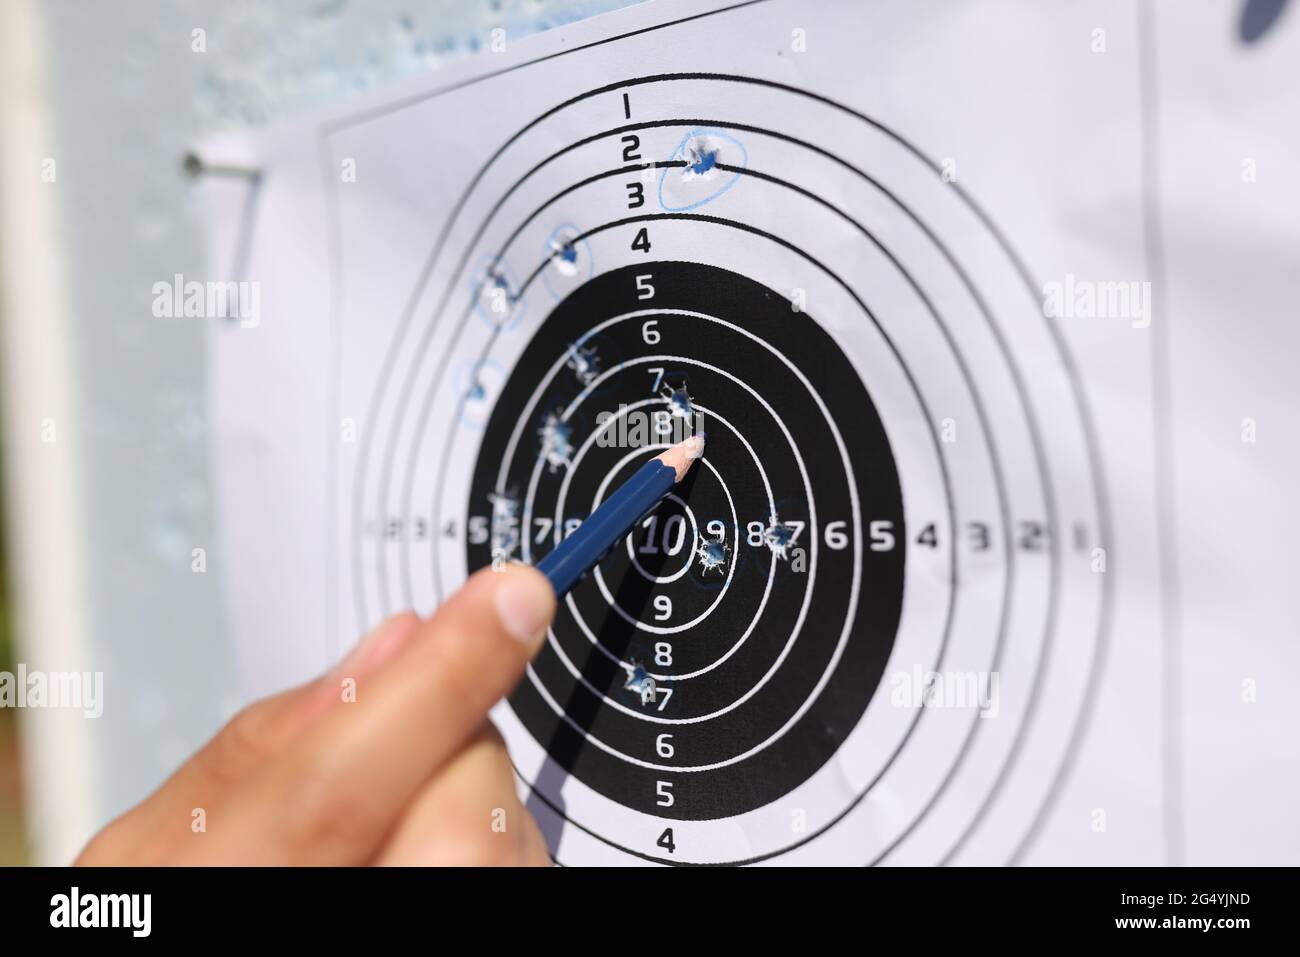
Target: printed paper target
x,y
865,628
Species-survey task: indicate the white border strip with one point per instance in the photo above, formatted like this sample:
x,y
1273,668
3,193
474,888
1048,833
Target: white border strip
x,y
37,376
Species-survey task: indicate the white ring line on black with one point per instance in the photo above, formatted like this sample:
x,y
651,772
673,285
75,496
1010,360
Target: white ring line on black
x,y
686,510
850,478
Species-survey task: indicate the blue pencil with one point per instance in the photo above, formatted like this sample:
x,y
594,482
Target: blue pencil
x,y
580,552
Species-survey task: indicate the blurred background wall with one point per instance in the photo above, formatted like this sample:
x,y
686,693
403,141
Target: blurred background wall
x,y
105,433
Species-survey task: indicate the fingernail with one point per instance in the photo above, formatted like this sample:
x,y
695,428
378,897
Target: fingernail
x,y
524,602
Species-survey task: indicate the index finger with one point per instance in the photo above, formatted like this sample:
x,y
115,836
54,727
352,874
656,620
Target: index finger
x,y
335,794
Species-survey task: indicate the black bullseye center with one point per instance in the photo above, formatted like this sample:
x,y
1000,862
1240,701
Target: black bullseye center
x,y
765,663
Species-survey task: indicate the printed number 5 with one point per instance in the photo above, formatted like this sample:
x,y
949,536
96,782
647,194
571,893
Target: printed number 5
x,y
665,791
643,288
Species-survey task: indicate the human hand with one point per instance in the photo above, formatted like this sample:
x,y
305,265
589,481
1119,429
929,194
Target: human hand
x,y
409,771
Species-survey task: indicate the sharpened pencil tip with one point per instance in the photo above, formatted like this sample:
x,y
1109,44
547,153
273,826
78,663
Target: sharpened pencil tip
x,y
683,455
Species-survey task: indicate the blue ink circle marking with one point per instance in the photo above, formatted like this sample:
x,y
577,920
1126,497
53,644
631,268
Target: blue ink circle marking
x,y
701,162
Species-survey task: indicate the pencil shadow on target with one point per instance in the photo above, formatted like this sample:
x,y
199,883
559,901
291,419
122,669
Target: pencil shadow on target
x,y
616,634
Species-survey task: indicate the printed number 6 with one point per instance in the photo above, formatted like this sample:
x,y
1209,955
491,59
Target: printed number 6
x,y
650,334
836,537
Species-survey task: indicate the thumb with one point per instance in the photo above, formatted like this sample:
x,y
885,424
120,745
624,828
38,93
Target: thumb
x,y
477,645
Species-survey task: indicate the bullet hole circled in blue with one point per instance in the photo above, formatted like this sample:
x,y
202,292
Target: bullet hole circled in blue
x,y
476,384
569,261
701,180
495,291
